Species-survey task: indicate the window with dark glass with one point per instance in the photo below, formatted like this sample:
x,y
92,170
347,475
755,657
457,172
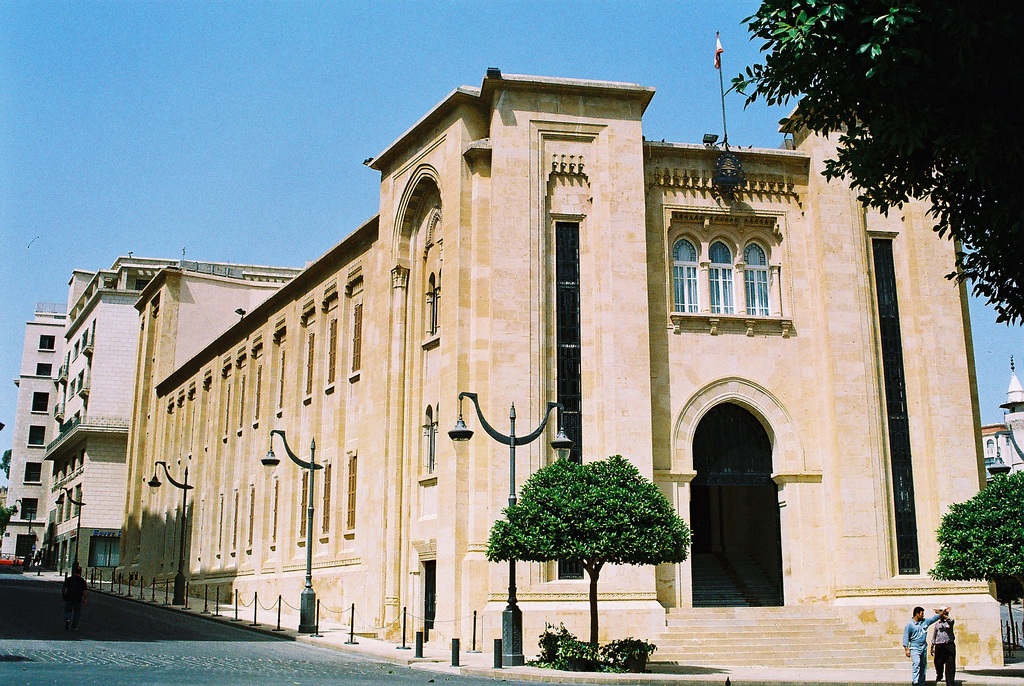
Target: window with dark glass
x,y
29,508
568,345
896,408
33,472
44,369
47,342
37,435
40,401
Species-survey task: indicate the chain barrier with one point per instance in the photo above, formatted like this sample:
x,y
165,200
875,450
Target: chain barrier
x,y
272,606
289,605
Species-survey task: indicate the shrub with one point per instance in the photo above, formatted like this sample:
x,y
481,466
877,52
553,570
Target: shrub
x,y
576,656
550,640
627,653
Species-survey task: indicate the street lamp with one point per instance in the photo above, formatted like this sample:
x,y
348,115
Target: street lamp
x,y
31,518
80,505
307,600
179,578
512,617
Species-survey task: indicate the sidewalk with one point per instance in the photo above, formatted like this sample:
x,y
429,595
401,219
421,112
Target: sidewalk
x,y
437,658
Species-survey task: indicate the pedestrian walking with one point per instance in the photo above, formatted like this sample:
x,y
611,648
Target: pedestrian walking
x,y
73,593
944,648
915,643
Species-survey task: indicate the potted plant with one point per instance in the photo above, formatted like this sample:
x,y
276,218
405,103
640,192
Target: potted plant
x,y
629,654
577,656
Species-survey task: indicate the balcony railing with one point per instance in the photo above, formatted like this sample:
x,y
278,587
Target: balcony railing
x,y
87,423
62,375
58,412
85,388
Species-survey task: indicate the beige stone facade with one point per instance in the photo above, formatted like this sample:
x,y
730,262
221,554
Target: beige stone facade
x,y
723,342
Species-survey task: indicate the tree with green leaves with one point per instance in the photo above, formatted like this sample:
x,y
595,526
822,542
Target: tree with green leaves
x,y
920,95
596,513
5,518
5,463
982,539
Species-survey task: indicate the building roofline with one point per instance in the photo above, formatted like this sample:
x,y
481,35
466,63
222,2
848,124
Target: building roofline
x,y
495,81
358,239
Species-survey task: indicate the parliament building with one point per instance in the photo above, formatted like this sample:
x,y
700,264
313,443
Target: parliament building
x,y
795,373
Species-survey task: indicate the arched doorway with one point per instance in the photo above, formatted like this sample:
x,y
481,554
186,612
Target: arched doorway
x,y
734,512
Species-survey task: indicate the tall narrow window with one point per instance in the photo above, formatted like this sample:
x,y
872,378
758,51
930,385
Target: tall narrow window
x,y
277,500
350,519
684,276
227,408
252,512
430,439
896,408
357,336
310,352
220,525
234,524
332,350
755,280
567,303
280,390
305,502
259,392
241,401
327,498
432,296
720,278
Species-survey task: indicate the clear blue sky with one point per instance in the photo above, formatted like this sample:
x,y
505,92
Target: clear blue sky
x,y
238,129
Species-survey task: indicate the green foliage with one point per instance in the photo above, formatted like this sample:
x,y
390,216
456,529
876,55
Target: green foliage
x,y
560,649
603,511
549,642
1008,590
919,95
5,463
596,513
576,656
624,653
982,539
5,518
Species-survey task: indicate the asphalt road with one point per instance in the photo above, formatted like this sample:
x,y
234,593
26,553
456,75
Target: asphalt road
x,y
120,642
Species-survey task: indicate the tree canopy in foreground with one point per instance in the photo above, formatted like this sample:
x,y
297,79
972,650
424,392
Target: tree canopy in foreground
x,y
982,539
597,513
921,96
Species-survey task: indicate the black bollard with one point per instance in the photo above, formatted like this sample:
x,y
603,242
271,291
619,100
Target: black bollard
x,y
474,650
316,621
152,590
186,595
255,604
278,612
497,653
352,628
166,594
216,608
419,644
206,599
455,652
236,605
404,615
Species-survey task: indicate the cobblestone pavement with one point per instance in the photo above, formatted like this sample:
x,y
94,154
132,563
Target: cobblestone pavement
x,y
120,642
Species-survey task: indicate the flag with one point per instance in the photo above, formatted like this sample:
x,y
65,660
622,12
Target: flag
x,y
718,51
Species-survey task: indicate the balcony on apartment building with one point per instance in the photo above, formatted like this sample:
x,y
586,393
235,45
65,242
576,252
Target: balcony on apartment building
x,y
82,425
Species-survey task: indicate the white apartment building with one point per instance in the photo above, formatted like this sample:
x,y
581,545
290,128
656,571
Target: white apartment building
x,y
1001,443
95,384
33,427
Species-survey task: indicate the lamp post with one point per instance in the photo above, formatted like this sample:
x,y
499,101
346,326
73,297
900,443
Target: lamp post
x,y
512,617
20,503
179,578
80,505
307,600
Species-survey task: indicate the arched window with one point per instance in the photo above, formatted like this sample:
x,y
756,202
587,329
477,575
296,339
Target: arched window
x,y
684,268
430,438
720,278
990,448
432,295
755,278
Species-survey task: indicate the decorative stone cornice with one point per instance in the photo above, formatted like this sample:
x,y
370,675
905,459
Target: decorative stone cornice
x,y
763,186
400,277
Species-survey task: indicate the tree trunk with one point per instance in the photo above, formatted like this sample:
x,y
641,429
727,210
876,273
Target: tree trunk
x,y
593,571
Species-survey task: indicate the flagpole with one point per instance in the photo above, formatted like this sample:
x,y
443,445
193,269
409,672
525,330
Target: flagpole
x,y
721,86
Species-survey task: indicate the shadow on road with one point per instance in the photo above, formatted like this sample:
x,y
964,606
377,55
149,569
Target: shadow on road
x,y
32,609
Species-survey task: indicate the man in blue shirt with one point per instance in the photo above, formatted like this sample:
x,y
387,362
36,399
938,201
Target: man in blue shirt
x,y
915,643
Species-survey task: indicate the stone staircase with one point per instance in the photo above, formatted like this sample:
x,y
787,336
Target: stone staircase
x,y
733,580
771,637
